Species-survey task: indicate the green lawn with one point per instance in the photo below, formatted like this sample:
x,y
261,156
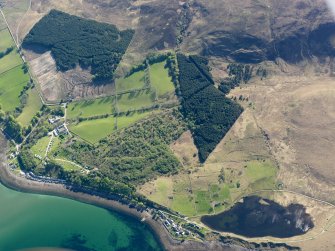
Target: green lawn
x,y
11,85
10,61
90,108
160,79
94,130
6,40
135,101
41,146
33,105
134,81
67,165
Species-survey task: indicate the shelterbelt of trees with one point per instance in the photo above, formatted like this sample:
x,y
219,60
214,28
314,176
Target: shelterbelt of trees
x,y
74,40
211,113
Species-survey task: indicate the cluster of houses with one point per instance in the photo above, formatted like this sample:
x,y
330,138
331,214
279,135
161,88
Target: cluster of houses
x,y
172,226
59,130
13,155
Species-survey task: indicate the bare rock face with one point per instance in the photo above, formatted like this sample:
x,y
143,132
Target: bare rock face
x,y
252,31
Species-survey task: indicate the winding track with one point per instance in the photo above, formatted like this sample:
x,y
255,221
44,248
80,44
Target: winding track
x,y
18,26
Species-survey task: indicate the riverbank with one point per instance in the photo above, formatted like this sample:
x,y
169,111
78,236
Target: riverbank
x,y
20,183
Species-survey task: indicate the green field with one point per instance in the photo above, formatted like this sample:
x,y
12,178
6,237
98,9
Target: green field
x,y
2,24
262,175
6,40
160,79
40,147
67,165
184,204
33,105
135,101
134,81
11,85
97,129
94,130
90,108
10,61
202,203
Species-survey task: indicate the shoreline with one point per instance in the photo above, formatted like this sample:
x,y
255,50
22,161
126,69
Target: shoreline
x,y
21,184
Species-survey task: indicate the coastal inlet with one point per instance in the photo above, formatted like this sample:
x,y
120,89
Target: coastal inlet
x,y
258,217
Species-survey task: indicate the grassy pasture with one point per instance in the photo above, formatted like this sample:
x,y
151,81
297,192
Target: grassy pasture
x,y
135,101
2,24
90,108
203,200
134,81
11,85
184,204
201,192
67,165
160,79
6,40
33,105
10,61
97,129
94,130
41,146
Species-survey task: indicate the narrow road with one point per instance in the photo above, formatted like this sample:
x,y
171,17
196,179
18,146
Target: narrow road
x,y
49,145
18,26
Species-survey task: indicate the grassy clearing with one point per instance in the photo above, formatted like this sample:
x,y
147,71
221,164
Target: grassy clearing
x,y
203,200
184,204
90,108
6,40
134,81
160,79
125,121
54,146
164,190
33,105
11,85
261,174
40,147
67,165
135,101
94,130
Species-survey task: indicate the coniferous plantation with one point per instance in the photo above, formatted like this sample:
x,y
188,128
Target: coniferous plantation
x,y
73,40
205,106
